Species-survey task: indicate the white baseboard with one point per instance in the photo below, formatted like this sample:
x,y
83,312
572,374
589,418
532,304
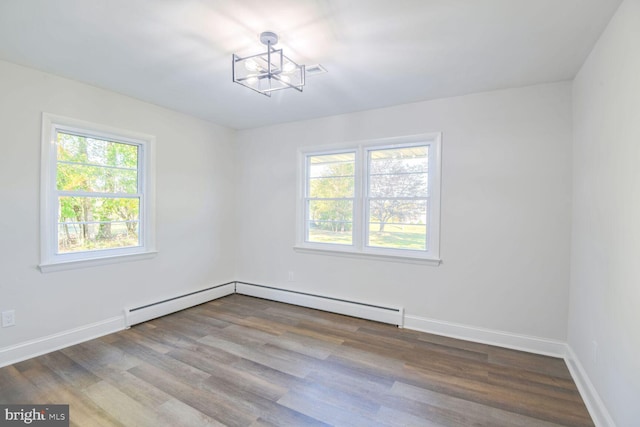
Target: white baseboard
x,y
390,315
592,400
141,314
513,341
37,347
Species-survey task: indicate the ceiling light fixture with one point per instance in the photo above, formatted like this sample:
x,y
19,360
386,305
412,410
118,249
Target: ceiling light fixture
x,y
268,71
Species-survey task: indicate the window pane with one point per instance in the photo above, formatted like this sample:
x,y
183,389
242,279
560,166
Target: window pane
x,y
331,176
415,158
399,172
87,223
399,185
398,223
398,236
75,237
79,177
330,221
331,187
331,165
80,149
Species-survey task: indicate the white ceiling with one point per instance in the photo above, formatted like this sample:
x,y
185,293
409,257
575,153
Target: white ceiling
x,y
177,53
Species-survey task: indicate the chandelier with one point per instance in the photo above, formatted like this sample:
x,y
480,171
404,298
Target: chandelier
x,y
268,71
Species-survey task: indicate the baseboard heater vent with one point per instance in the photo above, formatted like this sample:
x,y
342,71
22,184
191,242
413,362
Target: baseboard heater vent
x,y
150,311
378,313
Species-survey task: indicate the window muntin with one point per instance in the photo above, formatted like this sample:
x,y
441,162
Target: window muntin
x,y
394,199
329,201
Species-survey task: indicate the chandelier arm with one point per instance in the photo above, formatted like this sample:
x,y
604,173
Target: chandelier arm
x,y
278,77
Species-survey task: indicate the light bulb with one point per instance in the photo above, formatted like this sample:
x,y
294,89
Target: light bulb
x,y
288,67
251,65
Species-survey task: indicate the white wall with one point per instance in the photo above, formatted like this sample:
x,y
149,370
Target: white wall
x,y
194,208
505,211
605,273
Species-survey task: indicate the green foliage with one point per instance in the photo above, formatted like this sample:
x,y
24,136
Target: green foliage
x,y
101,167
332,181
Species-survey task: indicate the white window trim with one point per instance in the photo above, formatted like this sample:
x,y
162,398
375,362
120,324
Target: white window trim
x,y
359,248
51,261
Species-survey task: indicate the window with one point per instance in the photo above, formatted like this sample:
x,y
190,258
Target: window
x,y
97,193
376,198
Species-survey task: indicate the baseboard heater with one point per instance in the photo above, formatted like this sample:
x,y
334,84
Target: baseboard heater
x,y
133,316
391,315
378,313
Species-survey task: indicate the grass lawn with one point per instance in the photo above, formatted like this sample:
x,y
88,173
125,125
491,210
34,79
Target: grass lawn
x,y
393,236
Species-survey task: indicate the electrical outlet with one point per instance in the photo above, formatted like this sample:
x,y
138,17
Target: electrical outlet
x,y
8,318
291,276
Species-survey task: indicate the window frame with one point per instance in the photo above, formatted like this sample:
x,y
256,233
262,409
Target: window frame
x,y
50,259
359,247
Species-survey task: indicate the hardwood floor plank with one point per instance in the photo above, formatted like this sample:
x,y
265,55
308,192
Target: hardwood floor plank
x,y
255,354
308,346
537,406
68,370
244,335
178,413
171,340
95,353
16,388
117,376
260,407
216,406
123,408
524,380
313,405
533,362
268,374
230,375
418,345
168,364
52,389
396,418
144,336
475,413
195,314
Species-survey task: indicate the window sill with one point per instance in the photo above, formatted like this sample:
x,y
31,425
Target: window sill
x,y
84,263
368,255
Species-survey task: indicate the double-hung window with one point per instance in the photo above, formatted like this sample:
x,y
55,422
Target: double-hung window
x,y
97,193
375,198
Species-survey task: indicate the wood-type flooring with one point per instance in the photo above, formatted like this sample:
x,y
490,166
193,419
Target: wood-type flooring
x,y
243,361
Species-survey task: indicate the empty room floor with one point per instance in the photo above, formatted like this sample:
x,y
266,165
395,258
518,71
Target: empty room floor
x,y
244,361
